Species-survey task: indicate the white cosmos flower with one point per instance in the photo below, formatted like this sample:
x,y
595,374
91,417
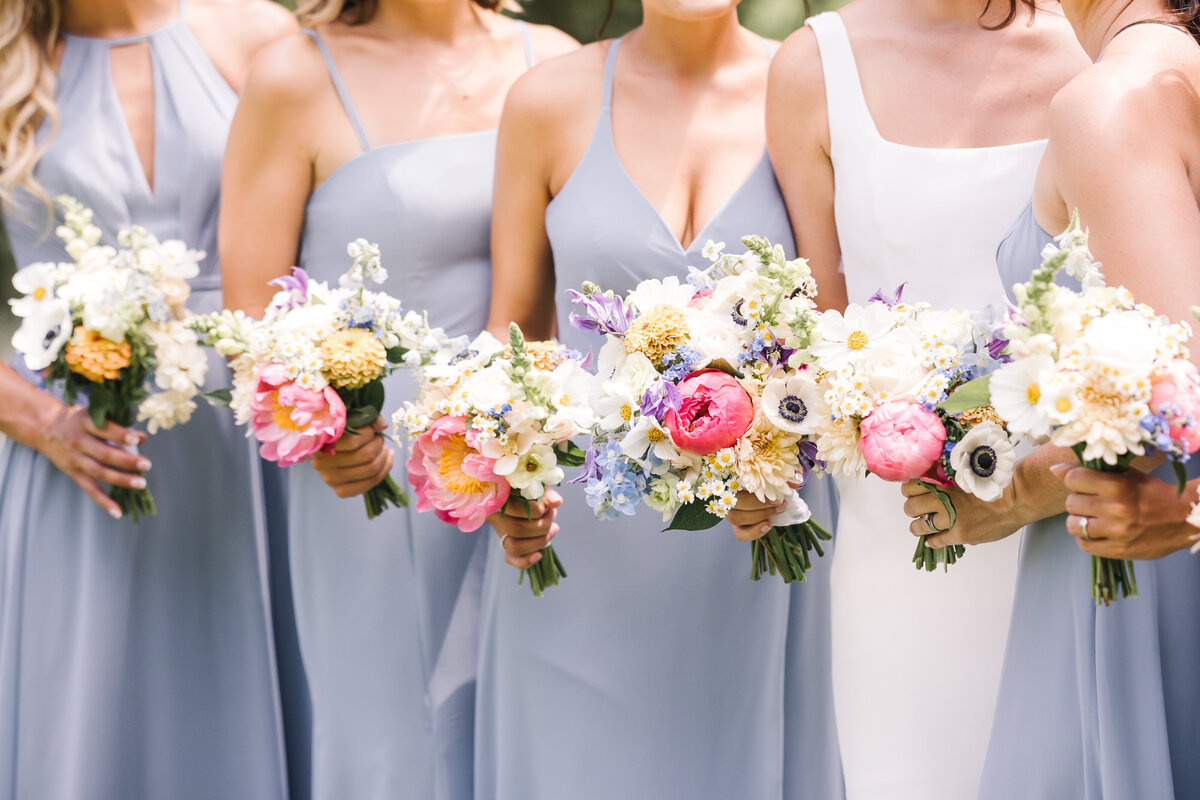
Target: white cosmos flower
x,y
649,435
666,292
533,471
983,461
1016,390
43,333
617,406
843,339
795,404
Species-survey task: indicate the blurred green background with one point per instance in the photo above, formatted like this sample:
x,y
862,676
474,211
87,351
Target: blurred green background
x,y
582,19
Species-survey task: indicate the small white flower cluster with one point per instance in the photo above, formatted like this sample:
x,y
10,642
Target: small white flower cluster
x,y
521,404
137,291
1091,367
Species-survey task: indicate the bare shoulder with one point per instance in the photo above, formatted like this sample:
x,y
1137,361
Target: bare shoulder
x,y
285,74
247,24
559,89
549,42
796,72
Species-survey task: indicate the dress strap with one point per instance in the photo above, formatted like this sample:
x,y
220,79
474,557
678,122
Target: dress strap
x,y
849,117
610,66
336,77
1166,22
182,9
767,46
530,56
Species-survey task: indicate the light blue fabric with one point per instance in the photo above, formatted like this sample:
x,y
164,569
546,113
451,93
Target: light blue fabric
x,y
1095,703
136,661
388,609
657,669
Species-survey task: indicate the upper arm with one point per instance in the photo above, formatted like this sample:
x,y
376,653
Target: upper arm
x,y
267,175
1116,156
523,286
233,32
798,141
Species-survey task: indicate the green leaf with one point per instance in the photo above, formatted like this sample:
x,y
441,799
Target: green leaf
x,y
221,398
693,517
571,455
395,355
361,417
1181,476
100,403
372,395
947,503
972,394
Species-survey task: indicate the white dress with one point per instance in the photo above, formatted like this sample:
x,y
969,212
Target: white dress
x,y
916,655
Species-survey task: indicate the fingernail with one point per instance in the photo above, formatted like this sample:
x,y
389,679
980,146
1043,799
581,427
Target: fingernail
x,y
114,513
536,558
132,440
143,464
1059,469
138,483
765,529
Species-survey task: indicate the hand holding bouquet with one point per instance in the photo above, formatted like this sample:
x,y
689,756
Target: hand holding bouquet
x,y
313,368
109,326
886,366
1095,371
492,421
703,393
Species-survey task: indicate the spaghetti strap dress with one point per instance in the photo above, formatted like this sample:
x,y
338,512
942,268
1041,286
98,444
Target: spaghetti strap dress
x,y
387,609
136,660
1095,703
657,668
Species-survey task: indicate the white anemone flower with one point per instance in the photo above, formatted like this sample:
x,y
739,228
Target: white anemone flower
x,y
795,404
841,339
43,333
1017,389
983,461
649,435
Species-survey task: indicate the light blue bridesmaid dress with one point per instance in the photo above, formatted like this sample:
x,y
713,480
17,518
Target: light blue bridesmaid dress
x,y
388,609
136,660
657,668
1095,703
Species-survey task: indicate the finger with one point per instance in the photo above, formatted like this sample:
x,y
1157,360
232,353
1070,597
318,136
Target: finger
x,y
380,424
527,546
351,458
1082,480
1103,548
924,504
1087,505
523,562
750,533
352,442
104,453
373,472
528,528
113,477
750,519
940,521
518,508
1097,529
945,539
552,499
1060,470
113,432
98,495
913,489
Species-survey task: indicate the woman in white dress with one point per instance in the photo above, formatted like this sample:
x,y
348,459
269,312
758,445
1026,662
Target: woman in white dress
x,y
881,196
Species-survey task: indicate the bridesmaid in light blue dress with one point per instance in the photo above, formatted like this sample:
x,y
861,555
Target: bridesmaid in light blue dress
x,y
136,660
387,609
657,668
1100,703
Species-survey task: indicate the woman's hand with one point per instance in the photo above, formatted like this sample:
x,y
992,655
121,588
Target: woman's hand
x,y
751,517
83,452
360,461
524,531
977,522
1130,515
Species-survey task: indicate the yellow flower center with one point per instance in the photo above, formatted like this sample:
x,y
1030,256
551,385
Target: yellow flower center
x,y
857,340
655,436
531,465
1033,394
626,412
283,418
39,293
450,462
1063,405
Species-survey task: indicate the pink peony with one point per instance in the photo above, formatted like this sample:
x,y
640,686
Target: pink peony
x,y
714,414
1175,395
901,441
453,479
700,299
292,422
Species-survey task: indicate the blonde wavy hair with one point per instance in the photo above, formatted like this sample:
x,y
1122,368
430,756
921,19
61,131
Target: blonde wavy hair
x,y
28,35
359,12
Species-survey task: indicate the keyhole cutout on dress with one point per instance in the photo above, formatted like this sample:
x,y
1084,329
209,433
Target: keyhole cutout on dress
x,y
132,69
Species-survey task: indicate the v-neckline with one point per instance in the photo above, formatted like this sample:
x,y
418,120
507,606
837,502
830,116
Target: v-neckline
x,y
662,222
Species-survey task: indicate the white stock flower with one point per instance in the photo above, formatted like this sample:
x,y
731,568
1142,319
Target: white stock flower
x,y
166,410
983,461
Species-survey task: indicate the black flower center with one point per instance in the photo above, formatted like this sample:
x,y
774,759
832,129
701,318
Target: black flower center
x,y
463,356
793,409
983,461
737,314
51,335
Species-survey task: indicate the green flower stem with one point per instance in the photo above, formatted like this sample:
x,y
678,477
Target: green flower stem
x,y
785,551
930,558
1112,579
384,494
544,573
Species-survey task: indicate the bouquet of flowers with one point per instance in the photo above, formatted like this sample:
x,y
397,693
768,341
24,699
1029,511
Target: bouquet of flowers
x,y
109,326
1094,371
491,420
886,366
313,367
703,392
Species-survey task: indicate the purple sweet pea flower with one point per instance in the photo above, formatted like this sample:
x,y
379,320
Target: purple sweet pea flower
x,y
295,285
601,314
891,300
808,460
591,470
661,397
996,347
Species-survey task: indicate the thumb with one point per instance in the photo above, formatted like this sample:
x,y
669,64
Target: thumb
x,y
1060,470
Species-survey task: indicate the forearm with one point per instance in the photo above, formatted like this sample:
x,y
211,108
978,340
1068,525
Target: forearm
x,y
1036,493
25,410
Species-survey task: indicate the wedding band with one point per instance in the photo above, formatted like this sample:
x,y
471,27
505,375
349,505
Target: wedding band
x,y
1083,523
929,526
503,539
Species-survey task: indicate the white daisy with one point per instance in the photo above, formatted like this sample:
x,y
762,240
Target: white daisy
x,y
1016,390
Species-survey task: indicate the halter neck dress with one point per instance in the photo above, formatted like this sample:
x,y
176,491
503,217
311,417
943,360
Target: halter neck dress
x,y
916,655
1095,703
388,609
136,660
657,668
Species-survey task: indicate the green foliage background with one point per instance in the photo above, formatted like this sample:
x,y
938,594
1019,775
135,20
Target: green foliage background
x,y
582,19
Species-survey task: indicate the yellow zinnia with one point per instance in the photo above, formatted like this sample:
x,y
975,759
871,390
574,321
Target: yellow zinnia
x,y
352,358
98,359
